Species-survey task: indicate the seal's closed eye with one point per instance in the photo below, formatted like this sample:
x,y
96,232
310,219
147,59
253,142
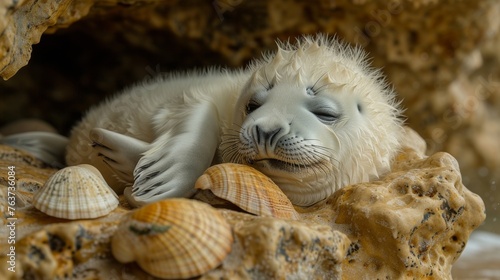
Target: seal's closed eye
x,y
326,115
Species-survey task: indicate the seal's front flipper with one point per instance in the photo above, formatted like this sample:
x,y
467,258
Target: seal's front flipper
x,y
177,158
48,147
120,152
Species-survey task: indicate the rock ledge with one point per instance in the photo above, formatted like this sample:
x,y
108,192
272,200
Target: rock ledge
x,y
413,223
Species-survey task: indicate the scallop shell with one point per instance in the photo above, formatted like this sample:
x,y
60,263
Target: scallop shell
x,y
76,192
248,189
174,238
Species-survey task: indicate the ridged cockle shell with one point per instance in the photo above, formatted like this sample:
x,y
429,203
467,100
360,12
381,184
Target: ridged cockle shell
x,y
76,192
173,238
248,189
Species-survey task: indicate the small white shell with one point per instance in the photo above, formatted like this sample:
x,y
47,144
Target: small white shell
x,y
173,238
76,192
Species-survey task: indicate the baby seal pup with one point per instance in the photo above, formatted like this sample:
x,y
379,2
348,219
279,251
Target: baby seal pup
x,y
313,116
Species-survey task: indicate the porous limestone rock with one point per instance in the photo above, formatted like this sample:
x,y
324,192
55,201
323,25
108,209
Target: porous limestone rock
x,y
412,223
24,21
30,175
269,248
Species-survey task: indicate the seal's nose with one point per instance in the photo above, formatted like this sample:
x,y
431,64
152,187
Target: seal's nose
x,y
265,129
266,135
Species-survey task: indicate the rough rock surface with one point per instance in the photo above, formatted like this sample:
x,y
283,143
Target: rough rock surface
x,y
417,215
23,23
412,223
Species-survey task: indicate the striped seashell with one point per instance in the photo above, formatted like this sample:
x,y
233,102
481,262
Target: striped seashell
x,y
76,192
173,238
248,189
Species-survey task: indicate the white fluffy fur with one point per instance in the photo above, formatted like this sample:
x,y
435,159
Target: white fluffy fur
x,y
181,124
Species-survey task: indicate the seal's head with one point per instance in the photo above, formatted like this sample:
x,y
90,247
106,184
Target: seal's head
x,y
314,117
